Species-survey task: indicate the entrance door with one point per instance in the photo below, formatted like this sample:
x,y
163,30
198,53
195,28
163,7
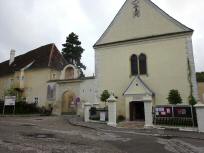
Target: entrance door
x,y
137,111
68,105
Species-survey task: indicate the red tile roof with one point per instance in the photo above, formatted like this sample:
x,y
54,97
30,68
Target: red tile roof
x,y
47,56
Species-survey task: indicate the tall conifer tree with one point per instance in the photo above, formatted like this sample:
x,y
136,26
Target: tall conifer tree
x,y
72,51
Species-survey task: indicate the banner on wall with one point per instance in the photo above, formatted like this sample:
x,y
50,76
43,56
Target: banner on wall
x,y
174,111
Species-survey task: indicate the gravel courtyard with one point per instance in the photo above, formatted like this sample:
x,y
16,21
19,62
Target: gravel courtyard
x,y
56,135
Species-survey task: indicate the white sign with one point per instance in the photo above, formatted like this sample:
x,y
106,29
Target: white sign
x,y
102,116
10,100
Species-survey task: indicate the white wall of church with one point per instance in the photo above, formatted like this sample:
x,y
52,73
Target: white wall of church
x,y
150,22
88,91
166,63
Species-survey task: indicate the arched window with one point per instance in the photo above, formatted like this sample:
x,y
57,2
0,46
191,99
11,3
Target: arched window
x,y
134,66
69,73
143,64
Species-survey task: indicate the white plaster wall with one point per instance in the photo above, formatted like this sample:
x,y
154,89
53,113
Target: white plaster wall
x,y
152,21
88,91
166,63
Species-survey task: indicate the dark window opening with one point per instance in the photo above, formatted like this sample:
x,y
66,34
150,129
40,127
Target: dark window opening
x,y
143,64
134,66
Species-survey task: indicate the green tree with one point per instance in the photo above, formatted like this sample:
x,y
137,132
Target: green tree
x,y
192,100
174,97
72,51
10,92
200,76
104,96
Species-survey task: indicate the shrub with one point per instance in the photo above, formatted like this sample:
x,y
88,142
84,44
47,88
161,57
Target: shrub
x,y
104,96
174,97
192,100
120,118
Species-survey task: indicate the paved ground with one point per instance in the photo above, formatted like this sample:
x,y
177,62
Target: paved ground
x,y
56,135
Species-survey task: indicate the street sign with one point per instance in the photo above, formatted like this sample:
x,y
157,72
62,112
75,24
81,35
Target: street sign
x,y
10,100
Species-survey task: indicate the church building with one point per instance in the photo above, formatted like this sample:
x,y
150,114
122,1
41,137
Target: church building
x,y
141,56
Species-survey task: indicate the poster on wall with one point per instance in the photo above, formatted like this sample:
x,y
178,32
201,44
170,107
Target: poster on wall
x,y
51,91
183,112
163,111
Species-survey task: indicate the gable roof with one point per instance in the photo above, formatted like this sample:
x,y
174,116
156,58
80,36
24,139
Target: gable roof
x,y
47,56
152,22
138,87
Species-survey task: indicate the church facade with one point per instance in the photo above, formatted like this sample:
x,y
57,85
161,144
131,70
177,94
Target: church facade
x,y
142,55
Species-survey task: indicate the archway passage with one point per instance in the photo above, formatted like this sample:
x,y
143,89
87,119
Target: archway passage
x,y
137,111
68,104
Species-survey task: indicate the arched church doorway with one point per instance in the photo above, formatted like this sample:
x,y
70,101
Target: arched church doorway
x,y
68,104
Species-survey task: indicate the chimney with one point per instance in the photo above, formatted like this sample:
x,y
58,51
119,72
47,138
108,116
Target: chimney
x,y
12,56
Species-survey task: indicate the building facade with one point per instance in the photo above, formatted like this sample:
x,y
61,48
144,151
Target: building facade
x,y
28,74
142,55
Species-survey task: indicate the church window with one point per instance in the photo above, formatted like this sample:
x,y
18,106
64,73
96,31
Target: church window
x,y
134,65
69,73
143,64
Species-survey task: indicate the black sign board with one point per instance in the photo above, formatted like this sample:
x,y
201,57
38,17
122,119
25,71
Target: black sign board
x,y
173,111
163,111
183,112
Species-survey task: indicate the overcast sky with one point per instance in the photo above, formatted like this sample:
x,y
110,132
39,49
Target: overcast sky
x,y
28,24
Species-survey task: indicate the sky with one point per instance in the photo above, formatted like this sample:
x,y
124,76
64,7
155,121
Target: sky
x,y
28,24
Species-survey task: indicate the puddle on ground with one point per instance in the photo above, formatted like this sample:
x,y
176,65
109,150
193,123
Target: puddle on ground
x,y
40,135
28,125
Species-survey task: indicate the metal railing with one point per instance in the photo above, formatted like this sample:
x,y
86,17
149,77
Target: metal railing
x,y
175,115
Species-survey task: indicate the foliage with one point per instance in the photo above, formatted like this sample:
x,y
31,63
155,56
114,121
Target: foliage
x,y
10,92
190,78
105,95
26,108
92,111
120,118
174,97
200,76
72,51
192,100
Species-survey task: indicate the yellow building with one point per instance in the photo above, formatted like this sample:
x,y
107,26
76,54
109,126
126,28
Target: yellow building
x,y
28,73
142,55
44,77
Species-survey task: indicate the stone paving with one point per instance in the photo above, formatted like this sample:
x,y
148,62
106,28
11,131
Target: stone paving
x,y
56,135
138,128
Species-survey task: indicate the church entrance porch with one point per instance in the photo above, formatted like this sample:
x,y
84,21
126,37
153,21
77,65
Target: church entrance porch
x,y
137,111
138,102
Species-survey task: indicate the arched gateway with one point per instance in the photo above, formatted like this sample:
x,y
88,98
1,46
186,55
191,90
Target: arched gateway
x,y
68,104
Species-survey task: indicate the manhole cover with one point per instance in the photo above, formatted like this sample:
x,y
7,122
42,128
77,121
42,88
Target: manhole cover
x,y
41,136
